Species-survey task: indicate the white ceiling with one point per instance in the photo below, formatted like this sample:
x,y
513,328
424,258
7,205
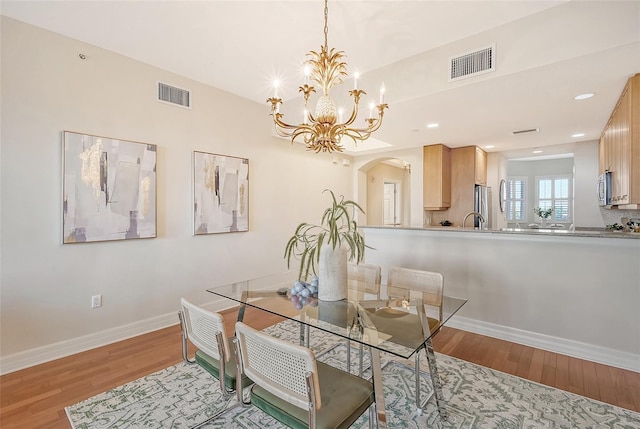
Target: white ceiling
x,y
546,53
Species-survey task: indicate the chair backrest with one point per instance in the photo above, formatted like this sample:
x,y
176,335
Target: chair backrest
x,y
431,284
202,326
369,274
278,366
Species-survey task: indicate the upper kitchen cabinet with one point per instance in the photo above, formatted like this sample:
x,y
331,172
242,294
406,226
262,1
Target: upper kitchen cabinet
x,y
619,147
473,160
481,167
437,177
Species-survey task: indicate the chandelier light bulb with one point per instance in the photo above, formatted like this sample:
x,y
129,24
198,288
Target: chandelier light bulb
x,y
276,84
356,75
382,89
307,72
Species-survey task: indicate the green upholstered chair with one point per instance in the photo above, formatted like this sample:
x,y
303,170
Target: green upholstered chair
x,y
296,389
206,330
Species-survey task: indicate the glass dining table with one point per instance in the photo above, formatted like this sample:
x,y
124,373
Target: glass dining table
x,y
398,322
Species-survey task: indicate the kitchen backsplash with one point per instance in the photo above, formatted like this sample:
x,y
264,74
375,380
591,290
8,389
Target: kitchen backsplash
x,y
615,216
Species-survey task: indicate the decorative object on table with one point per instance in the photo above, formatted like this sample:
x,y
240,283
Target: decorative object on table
x,y
543,214
220,193
109,189
324,130
615,227
323,249
634,225
303,293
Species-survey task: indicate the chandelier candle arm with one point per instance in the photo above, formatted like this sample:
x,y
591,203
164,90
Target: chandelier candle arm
x,y
324,129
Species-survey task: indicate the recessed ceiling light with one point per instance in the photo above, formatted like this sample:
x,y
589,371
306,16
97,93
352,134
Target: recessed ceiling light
x,y
537,151
489,146
433,125
583,96
577,135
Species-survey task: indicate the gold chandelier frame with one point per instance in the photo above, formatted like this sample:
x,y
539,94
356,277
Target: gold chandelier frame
x,y
323,131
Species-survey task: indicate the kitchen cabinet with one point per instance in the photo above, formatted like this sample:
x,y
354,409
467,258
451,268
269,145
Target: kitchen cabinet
x,y
481,167
619,147
437,177
469,168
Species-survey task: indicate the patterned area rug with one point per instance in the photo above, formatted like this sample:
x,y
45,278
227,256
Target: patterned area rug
x,y
184,396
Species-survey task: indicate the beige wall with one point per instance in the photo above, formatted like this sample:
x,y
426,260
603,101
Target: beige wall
x,y
46,287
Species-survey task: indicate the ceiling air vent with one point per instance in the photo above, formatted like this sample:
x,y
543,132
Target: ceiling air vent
x,y
174,95
472,63
532,130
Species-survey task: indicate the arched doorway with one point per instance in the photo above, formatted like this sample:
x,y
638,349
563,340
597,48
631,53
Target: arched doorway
x,y
384,190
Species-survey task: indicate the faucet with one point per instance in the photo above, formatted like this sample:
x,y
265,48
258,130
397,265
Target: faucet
x,y
472,213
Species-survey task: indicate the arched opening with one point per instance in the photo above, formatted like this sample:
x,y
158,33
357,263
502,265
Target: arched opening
x,y
384,192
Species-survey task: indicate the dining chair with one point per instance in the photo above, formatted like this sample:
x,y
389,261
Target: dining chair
x,y
363,278
367,276
297,390
430,287
206,330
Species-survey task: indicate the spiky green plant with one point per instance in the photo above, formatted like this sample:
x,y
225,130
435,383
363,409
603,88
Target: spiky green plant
x,y
336,228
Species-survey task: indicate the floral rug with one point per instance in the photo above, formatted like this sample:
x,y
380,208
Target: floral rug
x,y
183,396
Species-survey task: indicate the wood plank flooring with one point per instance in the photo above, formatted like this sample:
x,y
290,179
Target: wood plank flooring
x,y
35,397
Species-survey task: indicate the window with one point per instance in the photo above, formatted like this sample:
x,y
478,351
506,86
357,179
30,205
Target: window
x,y
556,192
516,198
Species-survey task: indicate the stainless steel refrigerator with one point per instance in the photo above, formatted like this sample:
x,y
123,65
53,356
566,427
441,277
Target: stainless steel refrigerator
x,y
482,205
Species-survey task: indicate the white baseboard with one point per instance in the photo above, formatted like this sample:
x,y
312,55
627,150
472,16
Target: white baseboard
x,y
66,348
590,352
572,348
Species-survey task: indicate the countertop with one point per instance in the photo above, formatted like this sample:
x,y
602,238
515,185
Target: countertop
x,y
579,232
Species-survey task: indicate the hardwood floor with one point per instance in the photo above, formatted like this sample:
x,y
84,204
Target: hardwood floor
x,y
35,397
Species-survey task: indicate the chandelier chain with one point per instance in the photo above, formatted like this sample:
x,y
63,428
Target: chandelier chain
x,y
326,25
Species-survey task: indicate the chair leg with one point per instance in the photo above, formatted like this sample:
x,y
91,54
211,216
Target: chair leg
x,y
185,348
419,404
239,372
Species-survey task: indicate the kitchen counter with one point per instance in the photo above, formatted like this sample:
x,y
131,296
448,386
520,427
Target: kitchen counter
x,y
579,232
574,293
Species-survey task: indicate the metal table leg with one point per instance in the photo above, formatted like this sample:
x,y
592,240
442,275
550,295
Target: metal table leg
x,y
435,379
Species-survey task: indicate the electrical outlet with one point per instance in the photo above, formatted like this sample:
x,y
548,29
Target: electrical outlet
x,y
96,301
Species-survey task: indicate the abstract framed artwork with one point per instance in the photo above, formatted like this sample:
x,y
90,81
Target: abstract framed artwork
x,y
109,189
220,193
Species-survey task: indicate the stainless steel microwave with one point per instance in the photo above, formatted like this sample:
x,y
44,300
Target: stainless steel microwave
x,y
603,189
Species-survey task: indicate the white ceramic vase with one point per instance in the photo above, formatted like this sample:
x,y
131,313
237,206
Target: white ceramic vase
x,y
332,273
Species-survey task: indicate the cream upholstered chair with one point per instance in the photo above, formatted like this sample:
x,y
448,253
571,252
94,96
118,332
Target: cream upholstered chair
x,y
430,285
367,280
368,276
296,389
206,330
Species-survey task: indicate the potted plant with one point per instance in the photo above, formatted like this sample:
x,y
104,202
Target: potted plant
x,y
324,249
543,214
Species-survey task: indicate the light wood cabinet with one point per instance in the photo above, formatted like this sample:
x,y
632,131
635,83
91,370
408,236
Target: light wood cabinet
x,y
619,147
437,177
481,166
468,168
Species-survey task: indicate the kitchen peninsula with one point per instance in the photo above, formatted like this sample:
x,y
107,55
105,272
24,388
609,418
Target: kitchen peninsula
x,y
575,293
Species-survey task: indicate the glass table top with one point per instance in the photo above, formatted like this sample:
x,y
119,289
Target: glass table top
x,y
399,323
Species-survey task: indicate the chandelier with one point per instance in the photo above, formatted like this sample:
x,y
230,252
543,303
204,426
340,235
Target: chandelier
x,y
324,130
